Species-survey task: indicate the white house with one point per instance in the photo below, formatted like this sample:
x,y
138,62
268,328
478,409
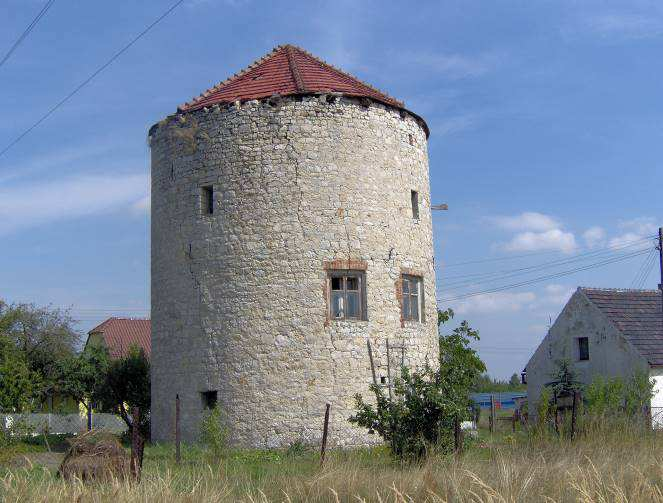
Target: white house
x,y
605,332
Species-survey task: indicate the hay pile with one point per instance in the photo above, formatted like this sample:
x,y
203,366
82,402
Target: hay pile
x,y
95,456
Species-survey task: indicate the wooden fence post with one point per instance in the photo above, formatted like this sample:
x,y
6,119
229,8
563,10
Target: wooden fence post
x,y
89,416
646,410
325,431
458,436
178,456
136,445
513,421
491,419
574,413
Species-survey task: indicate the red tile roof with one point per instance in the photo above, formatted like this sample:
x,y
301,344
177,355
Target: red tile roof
x,y
119,334
287,70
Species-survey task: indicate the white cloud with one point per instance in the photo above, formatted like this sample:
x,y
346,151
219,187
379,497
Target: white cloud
x,y
634,230
594,237
527,221
27,205
535,232
497,302
553,240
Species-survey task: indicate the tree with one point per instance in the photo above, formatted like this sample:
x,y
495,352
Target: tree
x,y
565,379
83,376
18,384
514,381
427,402
43,335
127,385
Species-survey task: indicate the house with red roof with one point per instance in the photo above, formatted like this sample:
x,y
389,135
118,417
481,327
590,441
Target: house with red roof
x,y
118,335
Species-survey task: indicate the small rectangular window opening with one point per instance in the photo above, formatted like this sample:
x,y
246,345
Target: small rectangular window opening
x,y
209,399
583,348
412,298
347,295
207,200
414,196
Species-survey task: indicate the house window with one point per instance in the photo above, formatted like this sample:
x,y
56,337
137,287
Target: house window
x,y
207,200
347,294
209,399
412,298
583,348
414,199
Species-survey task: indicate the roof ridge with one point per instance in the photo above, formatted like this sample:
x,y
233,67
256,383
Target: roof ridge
x,y
233,77
346,74
294,69
600,289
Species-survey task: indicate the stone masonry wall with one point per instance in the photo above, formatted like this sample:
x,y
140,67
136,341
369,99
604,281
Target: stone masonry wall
x,y
239,302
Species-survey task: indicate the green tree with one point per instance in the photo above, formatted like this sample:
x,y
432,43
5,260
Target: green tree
x,y
127,385
564,378
19,386
514,381
83,376
427,402
44,336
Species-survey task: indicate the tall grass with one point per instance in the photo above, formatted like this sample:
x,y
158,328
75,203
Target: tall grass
x,y
612,460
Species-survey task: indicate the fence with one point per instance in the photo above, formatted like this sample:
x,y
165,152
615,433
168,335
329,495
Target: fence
x,y
62,423
657,417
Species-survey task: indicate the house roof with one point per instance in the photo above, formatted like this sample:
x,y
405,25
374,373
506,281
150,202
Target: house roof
x,y
636,314
287,70
119,334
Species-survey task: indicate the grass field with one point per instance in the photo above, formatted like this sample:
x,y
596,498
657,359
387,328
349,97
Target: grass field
x,y
615,463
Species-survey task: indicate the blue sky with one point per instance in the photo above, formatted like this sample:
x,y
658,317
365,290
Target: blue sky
x,y
546,138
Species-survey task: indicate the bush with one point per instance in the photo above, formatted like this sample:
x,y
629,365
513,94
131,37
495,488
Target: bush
x,y
214,434
421,415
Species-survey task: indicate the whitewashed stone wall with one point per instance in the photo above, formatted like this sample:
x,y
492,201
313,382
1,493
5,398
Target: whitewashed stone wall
x,y
238,297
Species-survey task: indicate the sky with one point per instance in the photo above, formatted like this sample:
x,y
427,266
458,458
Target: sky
x,y
546,141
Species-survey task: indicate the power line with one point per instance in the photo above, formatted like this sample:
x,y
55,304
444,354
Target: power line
x,y
497,259
644,270
599,251
532,269
27,31
89,79
547,277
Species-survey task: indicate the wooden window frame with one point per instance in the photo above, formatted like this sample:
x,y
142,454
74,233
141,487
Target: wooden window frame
x,y
418,297
361,292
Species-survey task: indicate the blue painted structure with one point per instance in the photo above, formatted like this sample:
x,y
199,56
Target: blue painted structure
x,y
503,400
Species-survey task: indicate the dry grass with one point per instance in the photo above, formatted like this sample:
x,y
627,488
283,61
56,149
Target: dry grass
x,y
620,465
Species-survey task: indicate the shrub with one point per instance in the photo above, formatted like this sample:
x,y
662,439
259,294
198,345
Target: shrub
x,y
426,403
213,433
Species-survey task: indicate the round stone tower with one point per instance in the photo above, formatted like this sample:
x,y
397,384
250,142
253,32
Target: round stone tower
x,y
291,232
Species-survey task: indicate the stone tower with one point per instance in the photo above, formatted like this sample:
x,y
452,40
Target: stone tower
x,y
291,224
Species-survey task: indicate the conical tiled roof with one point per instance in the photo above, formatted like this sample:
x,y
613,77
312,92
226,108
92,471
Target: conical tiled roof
x,y
287,70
